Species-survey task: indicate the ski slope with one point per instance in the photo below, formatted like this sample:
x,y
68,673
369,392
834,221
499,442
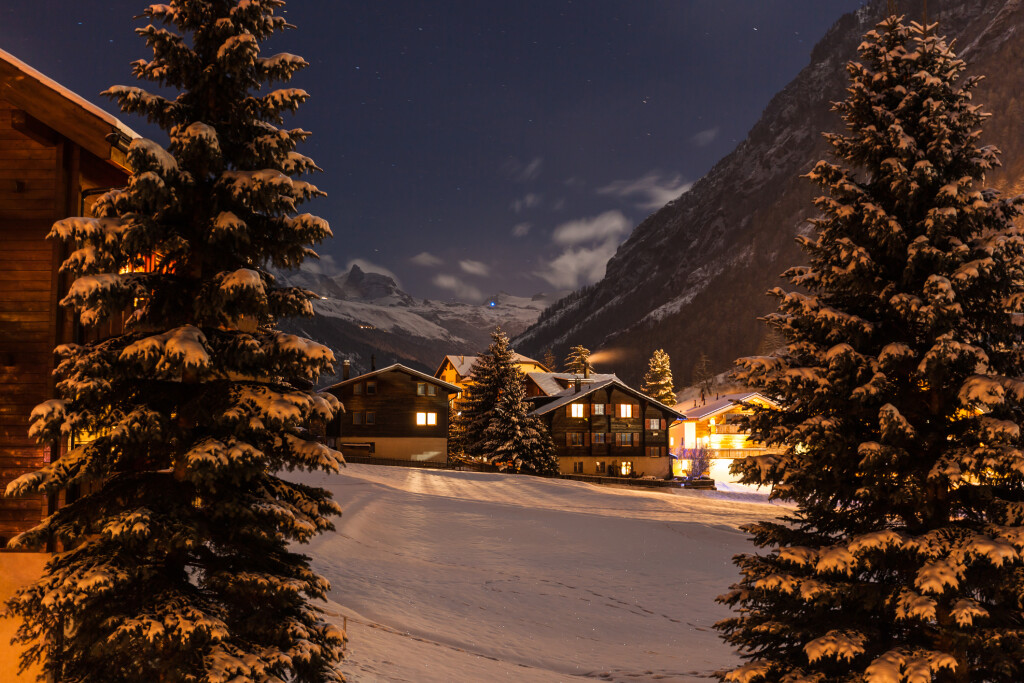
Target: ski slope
x,y
464,576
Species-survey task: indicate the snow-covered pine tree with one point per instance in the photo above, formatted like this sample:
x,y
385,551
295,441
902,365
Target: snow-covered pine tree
x,y
901,401
494,370
176,566
515,440
578,360
550,362
658,379
703,375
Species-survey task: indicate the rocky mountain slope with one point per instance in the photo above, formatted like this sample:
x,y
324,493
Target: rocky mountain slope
x,y
691,278
362,314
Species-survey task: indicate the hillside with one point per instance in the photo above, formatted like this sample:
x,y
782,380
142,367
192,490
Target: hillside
x,y
691,277
464,576
362,314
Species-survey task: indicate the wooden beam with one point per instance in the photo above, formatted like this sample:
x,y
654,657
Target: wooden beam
x,y
33,128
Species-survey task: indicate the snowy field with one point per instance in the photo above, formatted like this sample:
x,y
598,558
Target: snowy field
x,y
464,576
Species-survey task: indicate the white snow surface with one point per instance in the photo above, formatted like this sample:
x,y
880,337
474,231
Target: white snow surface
x,y
466,576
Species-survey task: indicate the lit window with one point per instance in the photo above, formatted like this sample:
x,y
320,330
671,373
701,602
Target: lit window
x,y
654,423
597,409
625,410
599,467
371,417
371,387
577,410
427,419
626,468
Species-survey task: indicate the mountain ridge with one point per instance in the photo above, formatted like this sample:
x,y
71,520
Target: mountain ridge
x,y
691,277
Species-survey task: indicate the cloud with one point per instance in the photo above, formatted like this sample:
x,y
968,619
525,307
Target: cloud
x,y
578,266
457,286
652,191
705,137
608,225
325,265
528,201
587,244
426,259
475,268
521,229
523,172
368,267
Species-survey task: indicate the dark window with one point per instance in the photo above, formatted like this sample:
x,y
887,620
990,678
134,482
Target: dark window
x,y
599,437
371,387
431,390
371,417
575,438
421,388
577,468
599,467
357,418
357,389
655,451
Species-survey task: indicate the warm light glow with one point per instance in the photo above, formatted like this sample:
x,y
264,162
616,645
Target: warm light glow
x,y
577,410
625,410
427,419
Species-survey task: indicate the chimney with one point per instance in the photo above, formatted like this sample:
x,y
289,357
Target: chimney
x,y
586,370
373,362
579,385
346,367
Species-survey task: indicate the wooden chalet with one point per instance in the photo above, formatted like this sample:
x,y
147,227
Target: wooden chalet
x,y
715,425
602,426
58,152
458,370
395,413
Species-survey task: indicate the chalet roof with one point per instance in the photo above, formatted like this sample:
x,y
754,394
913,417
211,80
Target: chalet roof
x,y
719,405
464,364
549,384
397,367
570,395
64,111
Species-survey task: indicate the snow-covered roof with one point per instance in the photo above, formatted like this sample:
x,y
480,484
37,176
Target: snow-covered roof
x,y
22,71
720,405
451,388
554,383
464,364
567,396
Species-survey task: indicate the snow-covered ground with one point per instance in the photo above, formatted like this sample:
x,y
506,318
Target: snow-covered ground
x,y
464,576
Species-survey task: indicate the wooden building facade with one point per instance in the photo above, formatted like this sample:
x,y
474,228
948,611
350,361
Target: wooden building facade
x,y
57,153
395,413
604,427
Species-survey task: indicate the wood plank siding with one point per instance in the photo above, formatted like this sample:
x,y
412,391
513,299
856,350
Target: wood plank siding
x,y
42,174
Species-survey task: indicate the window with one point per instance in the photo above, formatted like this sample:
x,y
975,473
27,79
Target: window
x,y
625,439
655,451
575,438
371,387
357,389
625,410
654,423
577,468
599,437
577,410
599,466
421,388
371,417
626,468
597,409
428,419
357,418
431,390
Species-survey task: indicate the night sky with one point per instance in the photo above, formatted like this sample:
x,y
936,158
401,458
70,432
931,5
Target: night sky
x,y
471,147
